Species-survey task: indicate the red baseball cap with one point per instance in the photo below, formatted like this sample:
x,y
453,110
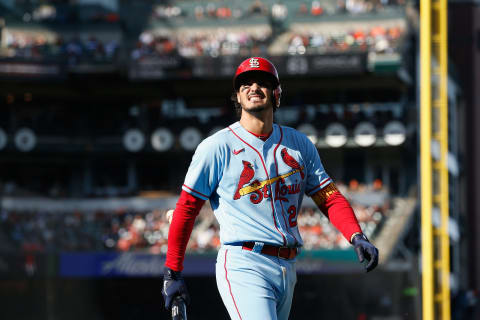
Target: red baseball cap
x,y
256,64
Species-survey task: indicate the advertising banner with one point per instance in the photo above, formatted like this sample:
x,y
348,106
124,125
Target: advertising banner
x,y
172,67
132,264
128,265
31,70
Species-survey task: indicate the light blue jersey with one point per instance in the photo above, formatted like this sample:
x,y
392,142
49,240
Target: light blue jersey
x,y
256,187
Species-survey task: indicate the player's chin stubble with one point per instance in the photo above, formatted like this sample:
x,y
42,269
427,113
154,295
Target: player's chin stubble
x,y
256,110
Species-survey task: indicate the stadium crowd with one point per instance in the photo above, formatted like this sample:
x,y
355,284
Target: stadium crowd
x,y
211,10
38,46
60,12
214,43
155,42
63,11
378,39
123,230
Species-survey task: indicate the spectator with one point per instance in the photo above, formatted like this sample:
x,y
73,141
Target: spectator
x,y
257,8
279,11
199,12
377,39
224,13
316,9
302,9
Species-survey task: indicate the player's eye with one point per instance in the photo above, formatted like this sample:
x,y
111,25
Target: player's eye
x,y
244,87
261,83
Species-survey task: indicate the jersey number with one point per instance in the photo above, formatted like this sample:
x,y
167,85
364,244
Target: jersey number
x,y
292,216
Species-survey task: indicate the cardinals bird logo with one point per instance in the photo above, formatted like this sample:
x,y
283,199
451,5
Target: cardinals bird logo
x,y
247,174
291,162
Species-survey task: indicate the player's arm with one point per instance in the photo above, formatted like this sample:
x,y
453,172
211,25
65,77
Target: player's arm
x,y
183,219
333,204
200,181
337,208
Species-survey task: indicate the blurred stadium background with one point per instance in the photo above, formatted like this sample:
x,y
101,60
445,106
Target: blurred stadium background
x,y
104,101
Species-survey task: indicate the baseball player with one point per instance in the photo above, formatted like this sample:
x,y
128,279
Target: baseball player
x,y
255,174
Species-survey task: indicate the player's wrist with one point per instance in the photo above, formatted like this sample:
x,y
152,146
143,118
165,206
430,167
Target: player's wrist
x,y
358,236
170,274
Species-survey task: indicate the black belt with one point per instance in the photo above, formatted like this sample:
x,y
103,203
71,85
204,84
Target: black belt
x,y
271,250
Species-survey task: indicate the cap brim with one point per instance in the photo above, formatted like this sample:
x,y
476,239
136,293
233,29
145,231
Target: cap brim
x,y
255,73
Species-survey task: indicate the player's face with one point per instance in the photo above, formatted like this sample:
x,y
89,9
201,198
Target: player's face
x,y
255,95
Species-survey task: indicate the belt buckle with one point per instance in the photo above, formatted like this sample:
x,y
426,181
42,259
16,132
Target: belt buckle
x,y
289,252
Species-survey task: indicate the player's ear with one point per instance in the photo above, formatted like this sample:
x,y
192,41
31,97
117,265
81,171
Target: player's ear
x,y
238,96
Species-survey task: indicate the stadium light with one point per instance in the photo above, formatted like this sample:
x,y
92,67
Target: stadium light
x,y
162,139
365,134
134,140
336,135
25,139
394,133
190,138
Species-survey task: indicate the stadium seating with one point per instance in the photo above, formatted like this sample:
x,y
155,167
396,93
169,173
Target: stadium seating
x,y
147,230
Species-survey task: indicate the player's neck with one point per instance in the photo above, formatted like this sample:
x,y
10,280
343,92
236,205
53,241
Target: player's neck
x,y
257,125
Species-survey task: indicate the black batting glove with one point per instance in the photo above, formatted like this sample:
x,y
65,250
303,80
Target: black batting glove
x,y
173,286
365,250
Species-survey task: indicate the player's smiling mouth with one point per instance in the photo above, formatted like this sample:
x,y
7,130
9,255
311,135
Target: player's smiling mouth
x,y
255,97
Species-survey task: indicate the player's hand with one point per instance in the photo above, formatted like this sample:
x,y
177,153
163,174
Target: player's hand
x,y
365,250
169,215
173,286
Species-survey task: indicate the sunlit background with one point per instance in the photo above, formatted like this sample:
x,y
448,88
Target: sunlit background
x,y
103,102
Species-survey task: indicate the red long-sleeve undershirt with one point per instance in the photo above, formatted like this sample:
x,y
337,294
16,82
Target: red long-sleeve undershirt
x,y
186,211
336,207
341,215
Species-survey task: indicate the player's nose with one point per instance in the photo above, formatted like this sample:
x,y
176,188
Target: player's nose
x,y
254,87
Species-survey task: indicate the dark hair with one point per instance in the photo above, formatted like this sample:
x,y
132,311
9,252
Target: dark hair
x,y
237,106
